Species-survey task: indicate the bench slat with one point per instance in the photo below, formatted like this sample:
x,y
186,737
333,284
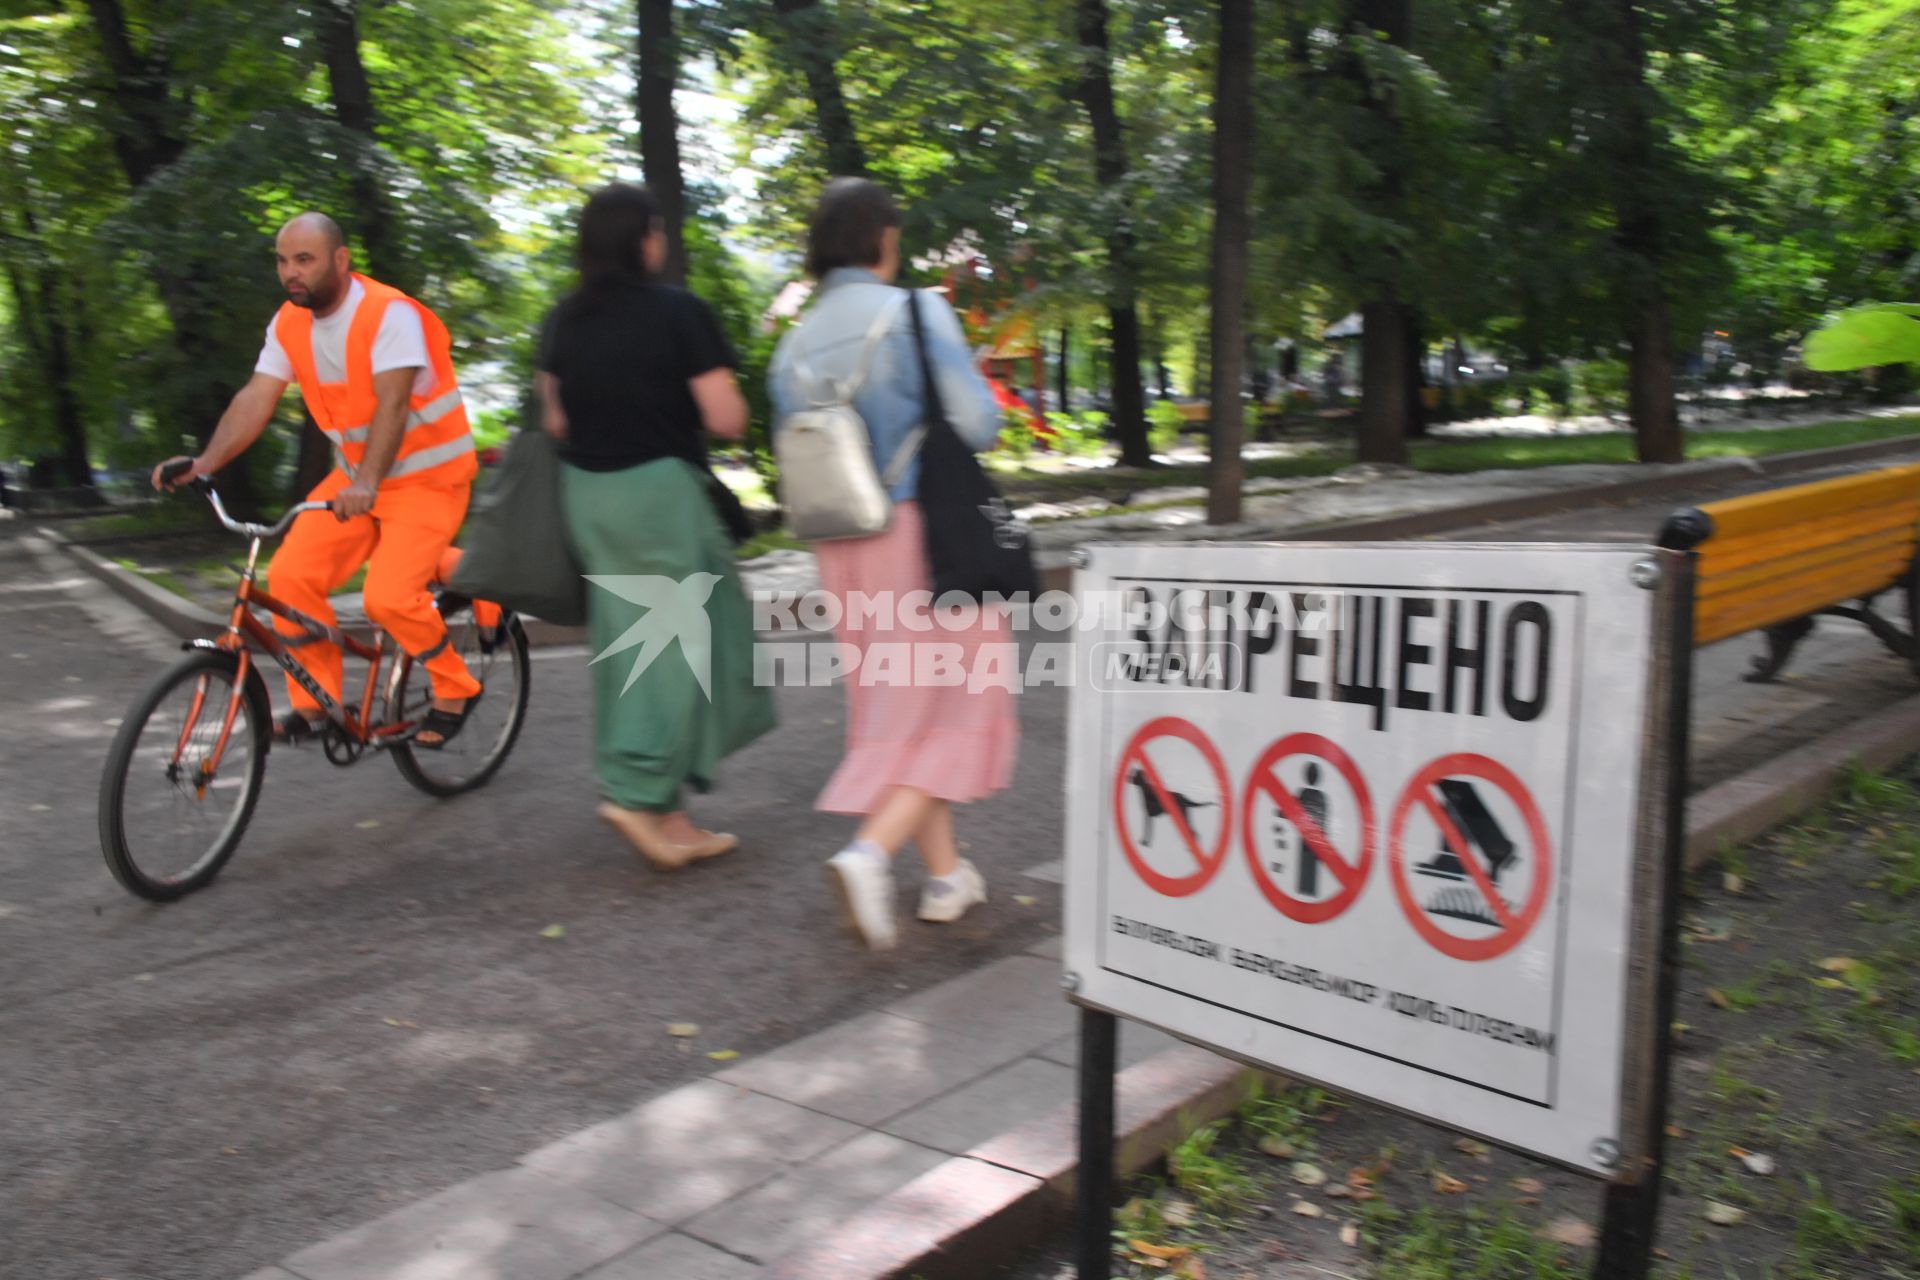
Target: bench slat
x,y
1758,512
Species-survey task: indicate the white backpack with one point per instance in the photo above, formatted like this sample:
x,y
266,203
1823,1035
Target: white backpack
x,y
828,485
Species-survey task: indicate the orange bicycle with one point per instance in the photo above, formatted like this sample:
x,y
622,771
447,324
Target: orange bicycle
x,y
186,766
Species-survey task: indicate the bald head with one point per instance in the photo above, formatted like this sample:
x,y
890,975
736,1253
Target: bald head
x,y
315,223
313,262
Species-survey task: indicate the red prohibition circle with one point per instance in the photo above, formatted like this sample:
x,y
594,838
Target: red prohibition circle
x,y
1468,765
1209,860
1353,878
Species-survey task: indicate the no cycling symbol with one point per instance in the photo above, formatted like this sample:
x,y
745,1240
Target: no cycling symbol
x,y
1138,776
1467,880
1315,850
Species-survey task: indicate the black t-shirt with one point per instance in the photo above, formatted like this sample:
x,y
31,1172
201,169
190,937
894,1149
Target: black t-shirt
x,y
623,351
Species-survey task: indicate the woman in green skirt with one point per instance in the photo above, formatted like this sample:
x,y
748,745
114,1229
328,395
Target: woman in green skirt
x,y
630,374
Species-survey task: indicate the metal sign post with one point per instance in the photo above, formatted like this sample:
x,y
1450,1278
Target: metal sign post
x,y
1405,822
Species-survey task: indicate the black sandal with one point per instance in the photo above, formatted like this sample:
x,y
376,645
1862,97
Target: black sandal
x,y
445,723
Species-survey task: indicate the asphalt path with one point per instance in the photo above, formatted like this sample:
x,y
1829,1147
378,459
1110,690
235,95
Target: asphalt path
x,y
353,1017
364,1010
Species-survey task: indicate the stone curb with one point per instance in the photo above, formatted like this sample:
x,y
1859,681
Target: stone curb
x,y
1743,807
980,1210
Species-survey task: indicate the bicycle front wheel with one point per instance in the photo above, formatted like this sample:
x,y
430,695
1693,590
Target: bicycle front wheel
x,y
497,657
170,816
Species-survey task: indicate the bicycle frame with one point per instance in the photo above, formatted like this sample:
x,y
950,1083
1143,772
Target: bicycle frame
x,y
243,627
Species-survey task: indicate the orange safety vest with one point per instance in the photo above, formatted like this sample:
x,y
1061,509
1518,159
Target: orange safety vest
x,y
437,447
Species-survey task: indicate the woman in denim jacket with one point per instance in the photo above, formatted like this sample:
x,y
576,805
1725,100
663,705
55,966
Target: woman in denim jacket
x,y
913,751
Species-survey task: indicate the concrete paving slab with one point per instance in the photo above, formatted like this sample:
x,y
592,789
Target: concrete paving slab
x,y
961,1120
511,1225
1019,996
674,1257
1050,949
878,1065
814,1198
686,1151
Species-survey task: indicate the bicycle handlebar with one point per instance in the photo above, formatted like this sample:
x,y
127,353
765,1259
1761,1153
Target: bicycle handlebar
x,y
248,530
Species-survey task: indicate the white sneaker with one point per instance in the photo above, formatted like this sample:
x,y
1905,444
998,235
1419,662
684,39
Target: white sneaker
x,y
865,886
944,901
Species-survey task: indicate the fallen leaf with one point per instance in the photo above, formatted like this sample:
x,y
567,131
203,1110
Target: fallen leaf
x,y
1307,1209
1447,1185
368,825
1339,1192
1309,1175
1757,1162
143,977
1572,1232
682,1030
1468,1147
1732,883
724,1055
1724,1215
1717,998
1164,1252
1831,984
1278,1148
40,808
554,931
1675,1131
1191,1269
1526,1199
1350,1235
1838,964
1680,1028
1529,1186
1025,899
402,1023
1178,1213
229,1151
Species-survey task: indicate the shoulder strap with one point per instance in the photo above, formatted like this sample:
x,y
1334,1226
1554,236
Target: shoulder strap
x,y
846,389
934,412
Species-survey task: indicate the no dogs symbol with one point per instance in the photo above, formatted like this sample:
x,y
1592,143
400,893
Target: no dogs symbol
x,y
1170,797
1306,824
1470,857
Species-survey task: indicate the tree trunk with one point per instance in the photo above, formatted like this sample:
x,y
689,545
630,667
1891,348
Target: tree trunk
x,y
1232,179
1383,381
1384,391
1060,375
1650,400
812,42
147,138
352,97
658,73
1095,90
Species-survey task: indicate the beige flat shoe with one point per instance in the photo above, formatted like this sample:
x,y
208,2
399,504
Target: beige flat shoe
x,y
645,832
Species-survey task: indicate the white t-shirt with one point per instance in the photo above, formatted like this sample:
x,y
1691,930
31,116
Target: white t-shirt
x,y
400,344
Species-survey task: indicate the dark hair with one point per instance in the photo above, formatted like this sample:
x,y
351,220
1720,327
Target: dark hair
x,y
615,222
848,225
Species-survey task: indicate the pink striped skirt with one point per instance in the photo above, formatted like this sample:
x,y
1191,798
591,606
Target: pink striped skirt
x,y
953,742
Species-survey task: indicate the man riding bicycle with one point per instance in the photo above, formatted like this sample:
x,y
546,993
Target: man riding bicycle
x,y
375,368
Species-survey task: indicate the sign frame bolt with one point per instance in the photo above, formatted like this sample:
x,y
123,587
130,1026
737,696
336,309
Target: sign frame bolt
x,y
1605,1152
1645,574
1069,981
1079,557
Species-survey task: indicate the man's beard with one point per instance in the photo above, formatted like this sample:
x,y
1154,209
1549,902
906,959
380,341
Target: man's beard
x,y
320,296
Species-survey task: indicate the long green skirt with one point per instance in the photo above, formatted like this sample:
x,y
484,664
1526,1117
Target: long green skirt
x,y
664,610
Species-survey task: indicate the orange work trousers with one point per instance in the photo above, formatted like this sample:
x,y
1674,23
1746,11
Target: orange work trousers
x,y
402,542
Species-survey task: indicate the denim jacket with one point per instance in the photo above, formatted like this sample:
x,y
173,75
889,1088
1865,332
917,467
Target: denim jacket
x,y
891,401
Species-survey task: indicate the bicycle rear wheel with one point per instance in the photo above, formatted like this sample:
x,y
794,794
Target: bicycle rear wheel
x,y
497,657
168,821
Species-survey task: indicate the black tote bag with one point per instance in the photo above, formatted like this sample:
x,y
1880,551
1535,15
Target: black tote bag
x,y
974,544
516,550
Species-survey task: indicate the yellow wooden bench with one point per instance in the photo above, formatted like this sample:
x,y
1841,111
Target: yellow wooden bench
x,y
1771,562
